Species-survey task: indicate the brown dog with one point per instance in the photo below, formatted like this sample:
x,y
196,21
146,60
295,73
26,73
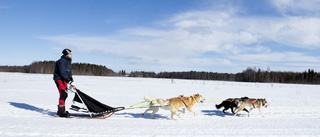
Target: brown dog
x,y
184,102
155,104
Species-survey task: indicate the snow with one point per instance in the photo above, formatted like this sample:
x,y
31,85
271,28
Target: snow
x,y
26,100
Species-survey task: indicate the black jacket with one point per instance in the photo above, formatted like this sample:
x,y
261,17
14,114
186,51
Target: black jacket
x,y
62,70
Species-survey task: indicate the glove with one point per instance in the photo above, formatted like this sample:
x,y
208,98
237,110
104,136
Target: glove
x,y
72,84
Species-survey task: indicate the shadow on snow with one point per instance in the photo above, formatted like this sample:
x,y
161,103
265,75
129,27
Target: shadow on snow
x,y
139,115
216,113
30,108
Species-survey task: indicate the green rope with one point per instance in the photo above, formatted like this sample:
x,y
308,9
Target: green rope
x,y
137,103
138,107
132,106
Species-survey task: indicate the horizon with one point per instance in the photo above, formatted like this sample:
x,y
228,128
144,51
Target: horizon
x,y
254,68
222,36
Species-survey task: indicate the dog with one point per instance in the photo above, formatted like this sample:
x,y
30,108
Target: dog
x,y
183,102
252,103
231,103
155,104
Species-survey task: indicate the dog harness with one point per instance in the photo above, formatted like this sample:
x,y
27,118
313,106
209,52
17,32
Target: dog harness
x,y
183,101
253,102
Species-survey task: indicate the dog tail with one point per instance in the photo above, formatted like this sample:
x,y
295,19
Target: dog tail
x,y
148,98
219,106
162,102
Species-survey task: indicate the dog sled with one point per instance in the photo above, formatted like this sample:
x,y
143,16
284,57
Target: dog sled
x,y
90,107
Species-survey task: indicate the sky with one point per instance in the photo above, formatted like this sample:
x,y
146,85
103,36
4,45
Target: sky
x,y
225,36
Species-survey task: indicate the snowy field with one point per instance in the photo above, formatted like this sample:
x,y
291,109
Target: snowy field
x,y
27,99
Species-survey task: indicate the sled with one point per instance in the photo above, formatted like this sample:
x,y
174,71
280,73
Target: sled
x,y
91,107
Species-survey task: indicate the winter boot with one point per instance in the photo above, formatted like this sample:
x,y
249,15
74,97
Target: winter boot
x,y
62,111
58,112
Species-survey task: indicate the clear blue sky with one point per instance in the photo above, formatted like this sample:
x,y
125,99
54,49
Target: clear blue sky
x,y
164,35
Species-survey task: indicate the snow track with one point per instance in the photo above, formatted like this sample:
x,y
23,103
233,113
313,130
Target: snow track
x,y
27,99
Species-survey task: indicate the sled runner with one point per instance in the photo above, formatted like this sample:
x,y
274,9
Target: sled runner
x,y
84,116
92,107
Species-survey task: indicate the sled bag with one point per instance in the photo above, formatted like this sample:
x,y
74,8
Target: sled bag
x,y
92,104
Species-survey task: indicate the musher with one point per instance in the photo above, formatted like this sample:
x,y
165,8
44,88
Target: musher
x,y
62,76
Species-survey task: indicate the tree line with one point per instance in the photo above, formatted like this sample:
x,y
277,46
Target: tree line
x,y
249,75
47,67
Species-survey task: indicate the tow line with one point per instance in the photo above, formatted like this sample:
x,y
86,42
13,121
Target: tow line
x,y
143,106
132,106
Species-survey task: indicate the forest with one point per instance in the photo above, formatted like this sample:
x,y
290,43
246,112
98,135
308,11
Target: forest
x,y
47,67
249,75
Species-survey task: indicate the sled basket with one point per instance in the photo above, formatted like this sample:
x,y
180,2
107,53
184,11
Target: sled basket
x,y
93,105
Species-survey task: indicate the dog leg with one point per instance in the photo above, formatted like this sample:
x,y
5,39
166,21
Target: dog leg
x,y
240,109
190,109
245,110
224,110
261,112
149,109
182,112
249,112
155,110
232,111
173,111
237,112
236,108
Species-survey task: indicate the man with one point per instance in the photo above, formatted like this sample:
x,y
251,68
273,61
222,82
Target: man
x,y
62,76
